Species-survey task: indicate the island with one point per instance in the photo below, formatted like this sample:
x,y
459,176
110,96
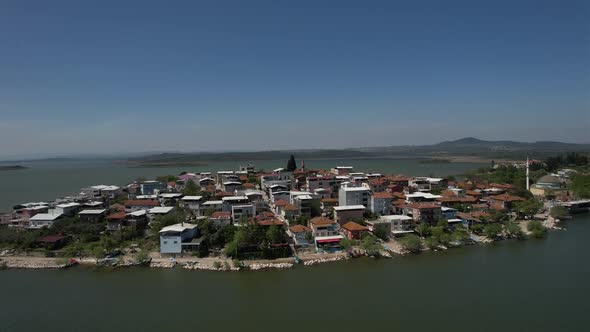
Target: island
x,y
12,167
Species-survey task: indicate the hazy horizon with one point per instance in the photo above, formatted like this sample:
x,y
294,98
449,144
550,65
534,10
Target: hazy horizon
x,y
142,76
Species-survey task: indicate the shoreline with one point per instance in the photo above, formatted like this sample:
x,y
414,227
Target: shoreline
x,y
225,264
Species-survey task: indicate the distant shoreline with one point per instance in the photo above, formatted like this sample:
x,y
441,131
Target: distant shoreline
x,y
13,168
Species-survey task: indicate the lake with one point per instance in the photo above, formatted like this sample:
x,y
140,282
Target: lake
x,y
535,285
47,180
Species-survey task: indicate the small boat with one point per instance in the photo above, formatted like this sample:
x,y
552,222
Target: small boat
x,y
297,260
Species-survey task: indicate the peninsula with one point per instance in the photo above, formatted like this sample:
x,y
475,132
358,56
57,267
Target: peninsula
x,y
247,218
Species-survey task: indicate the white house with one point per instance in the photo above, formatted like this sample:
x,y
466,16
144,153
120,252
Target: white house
x,y
44,219
175,239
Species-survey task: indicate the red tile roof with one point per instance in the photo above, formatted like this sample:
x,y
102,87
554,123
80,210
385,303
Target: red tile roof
x,y
352,226
281,202
117,216
299,229
384,195
270,222
319,221
220,215
424,206
290,207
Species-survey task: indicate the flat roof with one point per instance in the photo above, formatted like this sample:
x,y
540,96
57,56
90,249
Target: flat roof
x,y
67,205
344,167
355,189
45,216
191,198
456,220
395,217
402,232
234,198
170,195
213,203
423,195
93,211
180,227
138,213
349,207
161,209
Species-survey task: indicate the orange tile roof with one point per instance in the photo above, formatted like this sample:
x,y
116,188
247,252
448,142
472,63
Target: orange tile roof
x,y
319,221
424,206
352,226
281,202
384,195
220,215
300,229
117,216
290,207
270,222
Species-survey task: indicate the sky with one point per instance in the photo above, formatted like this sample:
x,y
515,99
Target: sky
x,y
134,76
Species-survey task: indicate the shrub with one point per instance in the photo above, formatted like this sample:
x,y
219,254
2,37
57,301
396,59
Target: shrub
x,y
411,243
537,229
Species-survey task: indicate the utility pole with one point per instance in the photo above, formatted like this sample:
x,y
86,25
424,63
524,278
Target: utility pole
x,y
527,174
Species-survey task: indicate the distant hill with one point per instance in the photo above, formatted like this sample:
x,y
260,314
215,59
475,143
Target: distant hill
x,y
468,146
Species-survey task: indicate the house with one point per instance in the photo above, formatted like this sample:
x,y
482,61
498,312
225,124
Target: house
x,y
400,224
325,233
169,199
115,221
136,219
327,182
380,203
92,215
353,230
425,212
344,214
242,212
176,239
327,204
192,203
44,220
53,242
503,201
151,187
421,197
280,177
140,204
342,170
206,182
232,186
159,211
301,234
67,209
221,218
379,225
448,213
209,207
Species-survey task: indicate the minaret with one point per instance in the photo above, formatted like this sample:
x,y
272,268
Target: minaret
x,y
528,187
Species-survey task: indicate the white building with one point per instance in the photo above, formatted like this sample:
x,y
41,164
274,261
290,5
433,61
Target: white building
x,y
44,219
354,196
177,238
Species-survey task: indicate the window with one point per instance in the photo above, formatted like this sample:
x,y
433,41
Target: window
x,y
175,242
165,242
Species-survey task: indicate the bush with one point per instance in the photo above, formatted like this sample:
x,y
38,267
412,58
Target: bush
x,y
217,265
492,230
558,211
537,229
411,243
346,243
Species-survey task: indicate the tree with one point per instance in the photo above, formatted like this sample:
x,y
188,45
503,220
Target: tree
x,y
492,230
347,243
191,189
537,229
370,245
274,234
558,211
291,164
514,230
580,186
432,243
411,243
529,207
423,229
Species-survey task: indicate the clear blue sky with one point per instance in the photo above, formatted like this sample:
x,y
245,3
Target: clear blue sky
x,y
128,76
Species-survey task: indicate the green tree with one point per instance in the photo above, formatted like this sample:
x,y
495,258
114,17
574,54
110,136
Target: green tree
x,y
529,207
537,229
167,220
191,189
423,229
370,245
347,243
492,230
514,230
291,164
432,243
580,185
411,243
274,234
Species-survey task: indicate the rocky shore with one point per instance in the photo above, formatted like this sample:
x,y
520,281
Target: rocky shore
x,y
323,260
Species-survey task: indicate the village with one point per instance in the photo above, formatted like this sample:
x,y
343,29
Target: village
x,y
253,219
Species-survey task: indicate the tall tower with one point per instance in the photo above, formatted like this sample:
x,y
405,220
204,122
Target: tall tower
x,y
528,187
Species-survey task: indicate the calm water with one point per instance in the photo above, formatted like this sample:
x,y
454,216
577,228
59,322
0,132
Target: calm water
x,y
536,285
48,180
